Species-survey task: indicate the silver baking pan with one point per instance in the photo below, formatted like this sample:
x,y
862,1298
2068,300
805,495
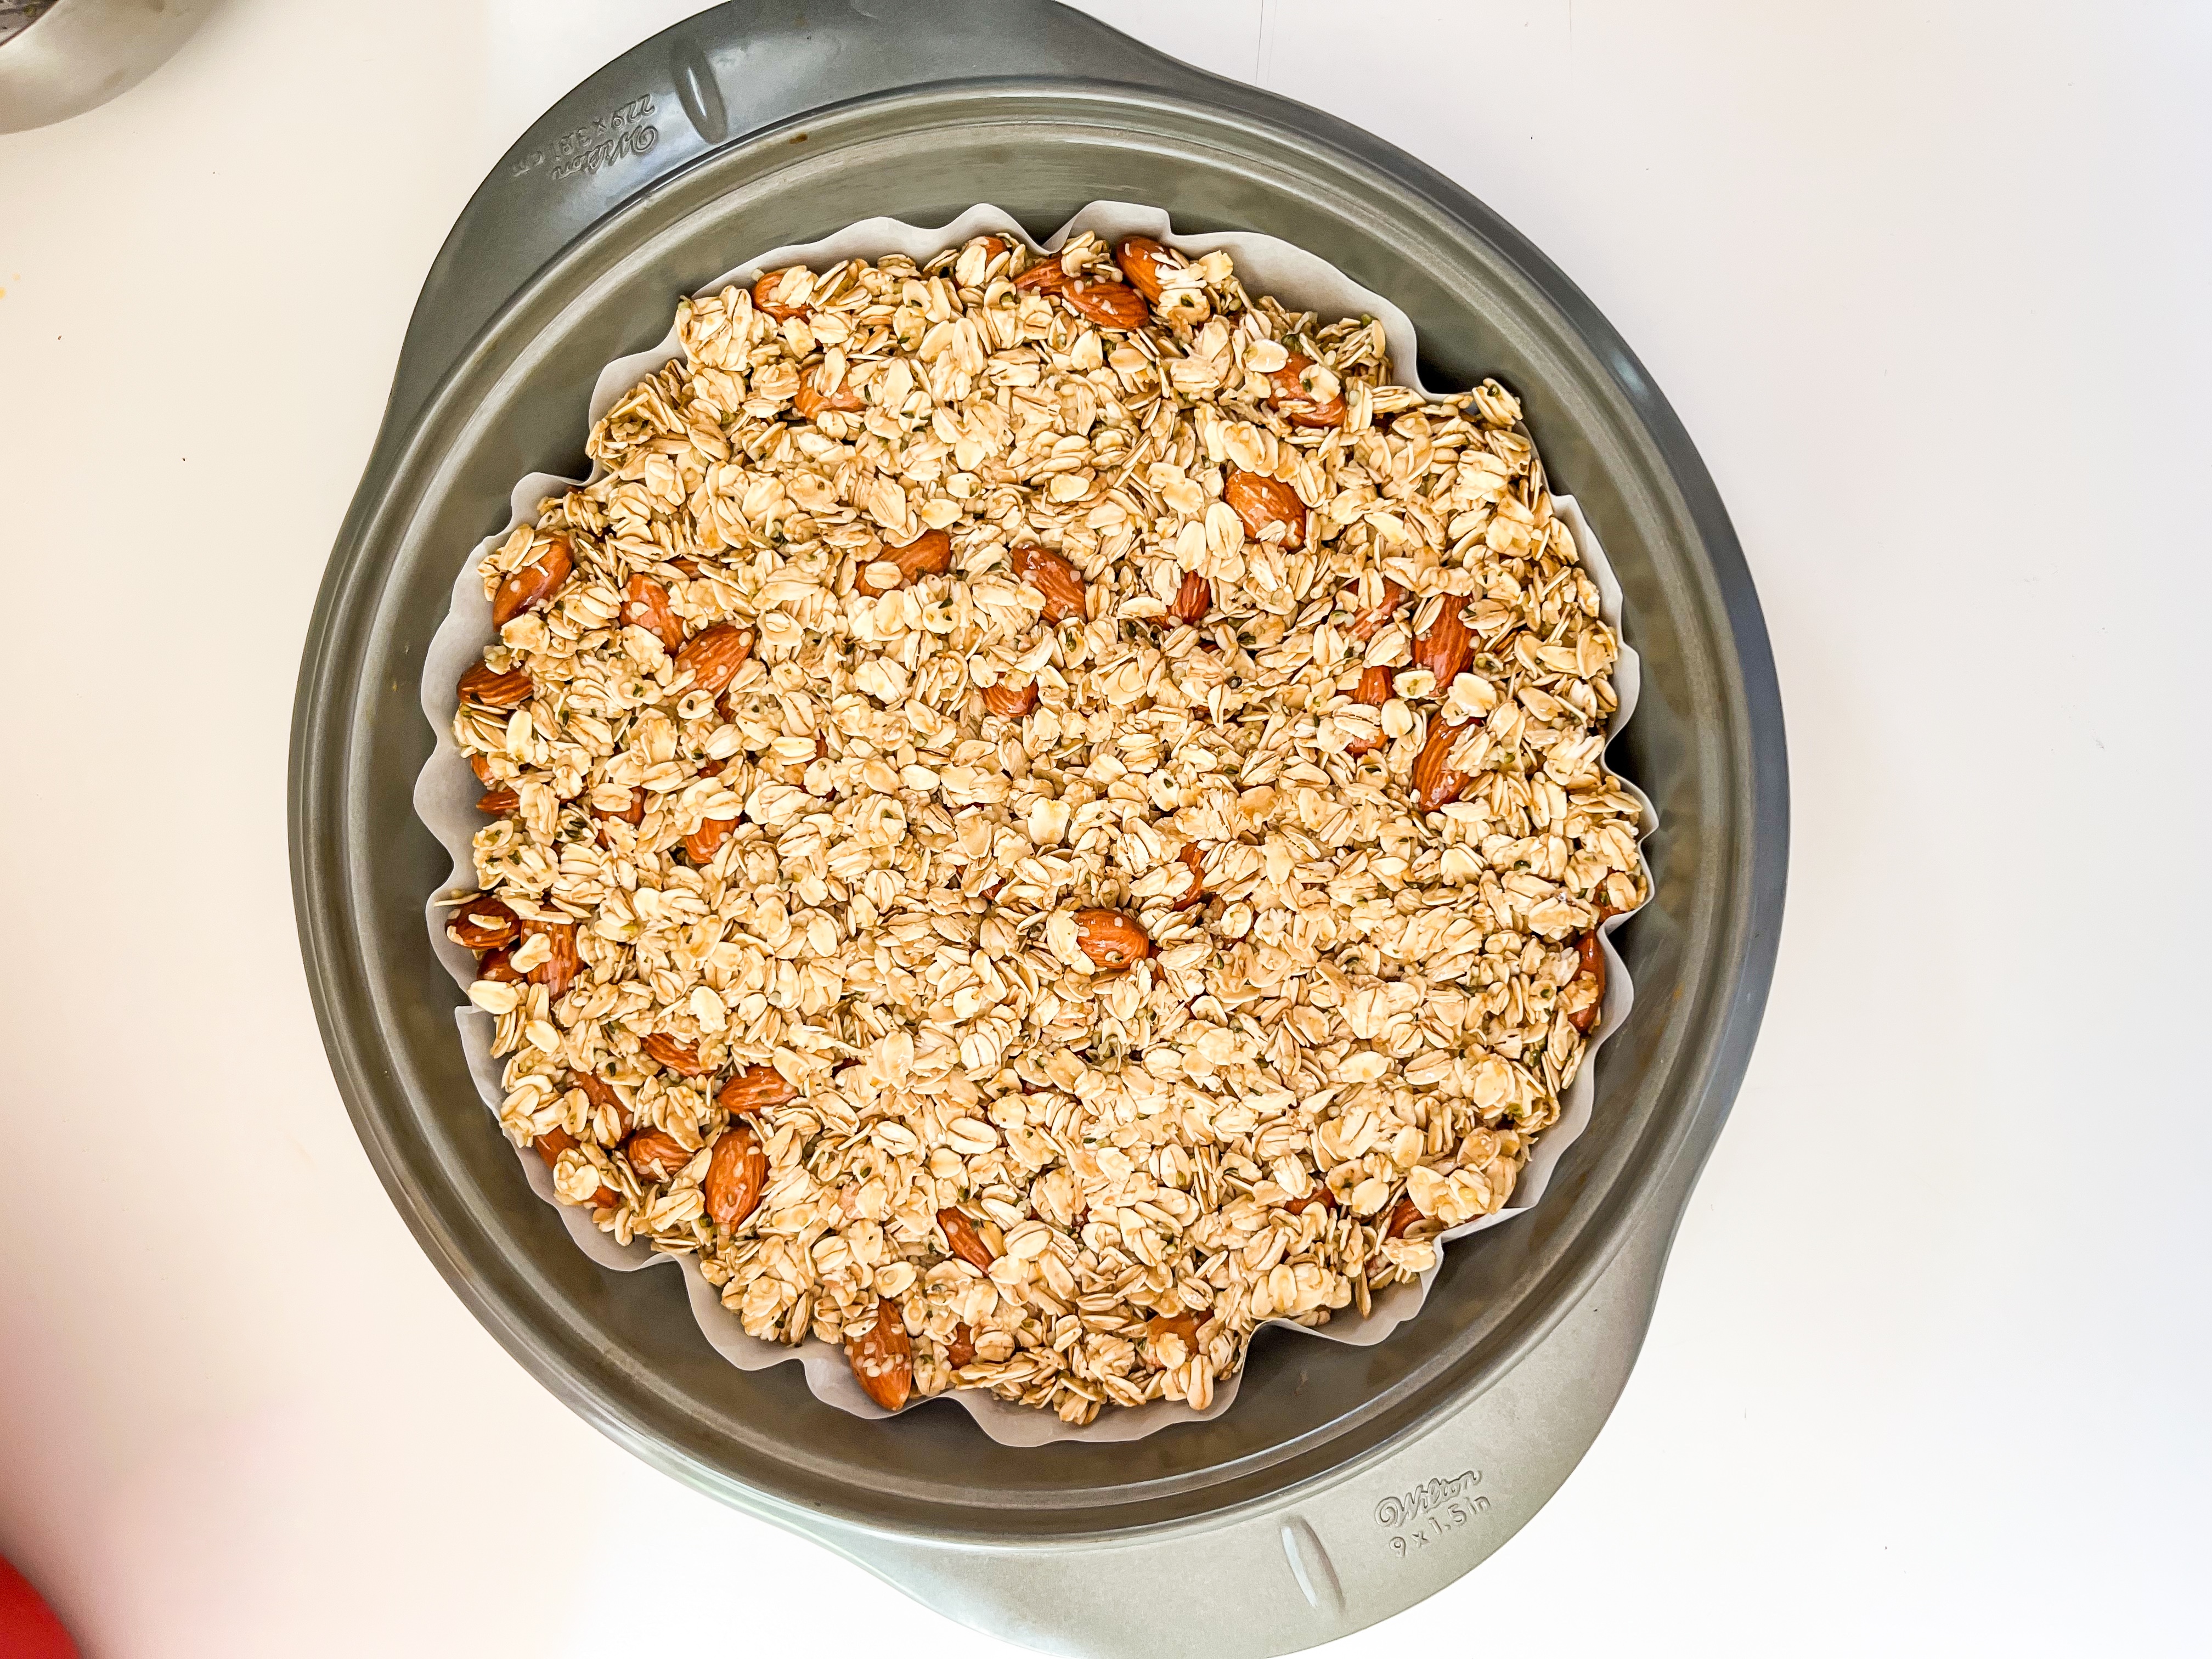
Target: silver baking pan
x,y
1346,1483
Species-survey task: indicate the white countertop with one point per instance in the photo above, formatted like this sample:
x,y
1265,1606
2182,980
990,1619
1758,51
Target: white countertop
x,y
1928,286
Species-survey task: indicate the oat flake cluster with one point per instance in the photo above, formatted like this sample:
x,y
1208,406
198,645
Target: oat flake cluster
x,y
1042,814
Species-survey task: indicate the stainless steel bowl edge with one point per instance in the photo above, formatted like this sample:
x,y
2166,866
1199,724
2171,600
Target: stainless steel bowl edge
x,y
83,53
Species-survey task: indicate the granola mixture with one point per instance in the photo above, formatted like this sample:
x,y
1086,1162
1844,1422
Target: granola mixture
x,y
1042,813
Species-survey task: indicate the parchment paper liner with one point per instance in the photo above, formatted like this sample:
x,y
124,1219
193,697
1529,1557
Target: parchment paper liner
x,y
446,793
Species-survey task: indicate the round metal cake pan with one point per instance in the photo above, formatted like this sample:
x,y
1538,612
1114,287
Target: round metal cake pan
x,y
760,135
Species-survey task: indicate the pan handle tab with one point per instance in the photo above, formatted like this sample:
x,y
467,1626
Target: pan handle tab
x,y
1331,1559
748,71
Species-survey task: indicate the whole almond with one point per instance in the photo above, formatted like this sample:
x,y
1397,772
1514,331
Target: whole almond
x,y
498,966
882,1356
1298,406
1109,305
811,400
532,586
703,843
1009,699
1045,276
1316,1194
1447,648
483,924
764,298
1184,1324
737,1172
1112,938
960,1346
714,655
756,1089
1590,955
1052,576
1434,782
497,803
965,1242
929,554
673,1052
645,604
655,1154
482,767
509,690
558,970
1590,960
557,1140
1194,599
1195,861
1403,1214
1367,623
601,1093
1260,502
632,815
1374,689
1141,259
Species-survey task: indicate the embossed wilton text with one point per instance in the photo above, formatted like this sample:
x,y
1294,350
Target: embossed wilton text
x,y
586,149
1400,1510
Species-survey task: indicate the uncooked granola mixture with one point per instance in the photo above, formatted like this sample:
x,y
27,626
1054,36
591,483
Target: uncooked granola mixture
x,y
1042,813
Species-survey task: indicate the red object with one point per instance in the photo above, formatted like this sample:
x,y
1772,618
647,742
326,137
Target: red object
x,y
28,1628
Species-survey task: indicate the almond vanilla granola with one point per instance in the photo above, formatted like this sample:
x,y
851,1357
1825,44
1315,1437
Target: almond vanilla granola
x,y
1042,814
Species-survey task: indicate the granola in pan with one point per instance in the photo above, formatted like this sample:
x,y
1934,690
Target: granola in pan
x,y
1041,814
